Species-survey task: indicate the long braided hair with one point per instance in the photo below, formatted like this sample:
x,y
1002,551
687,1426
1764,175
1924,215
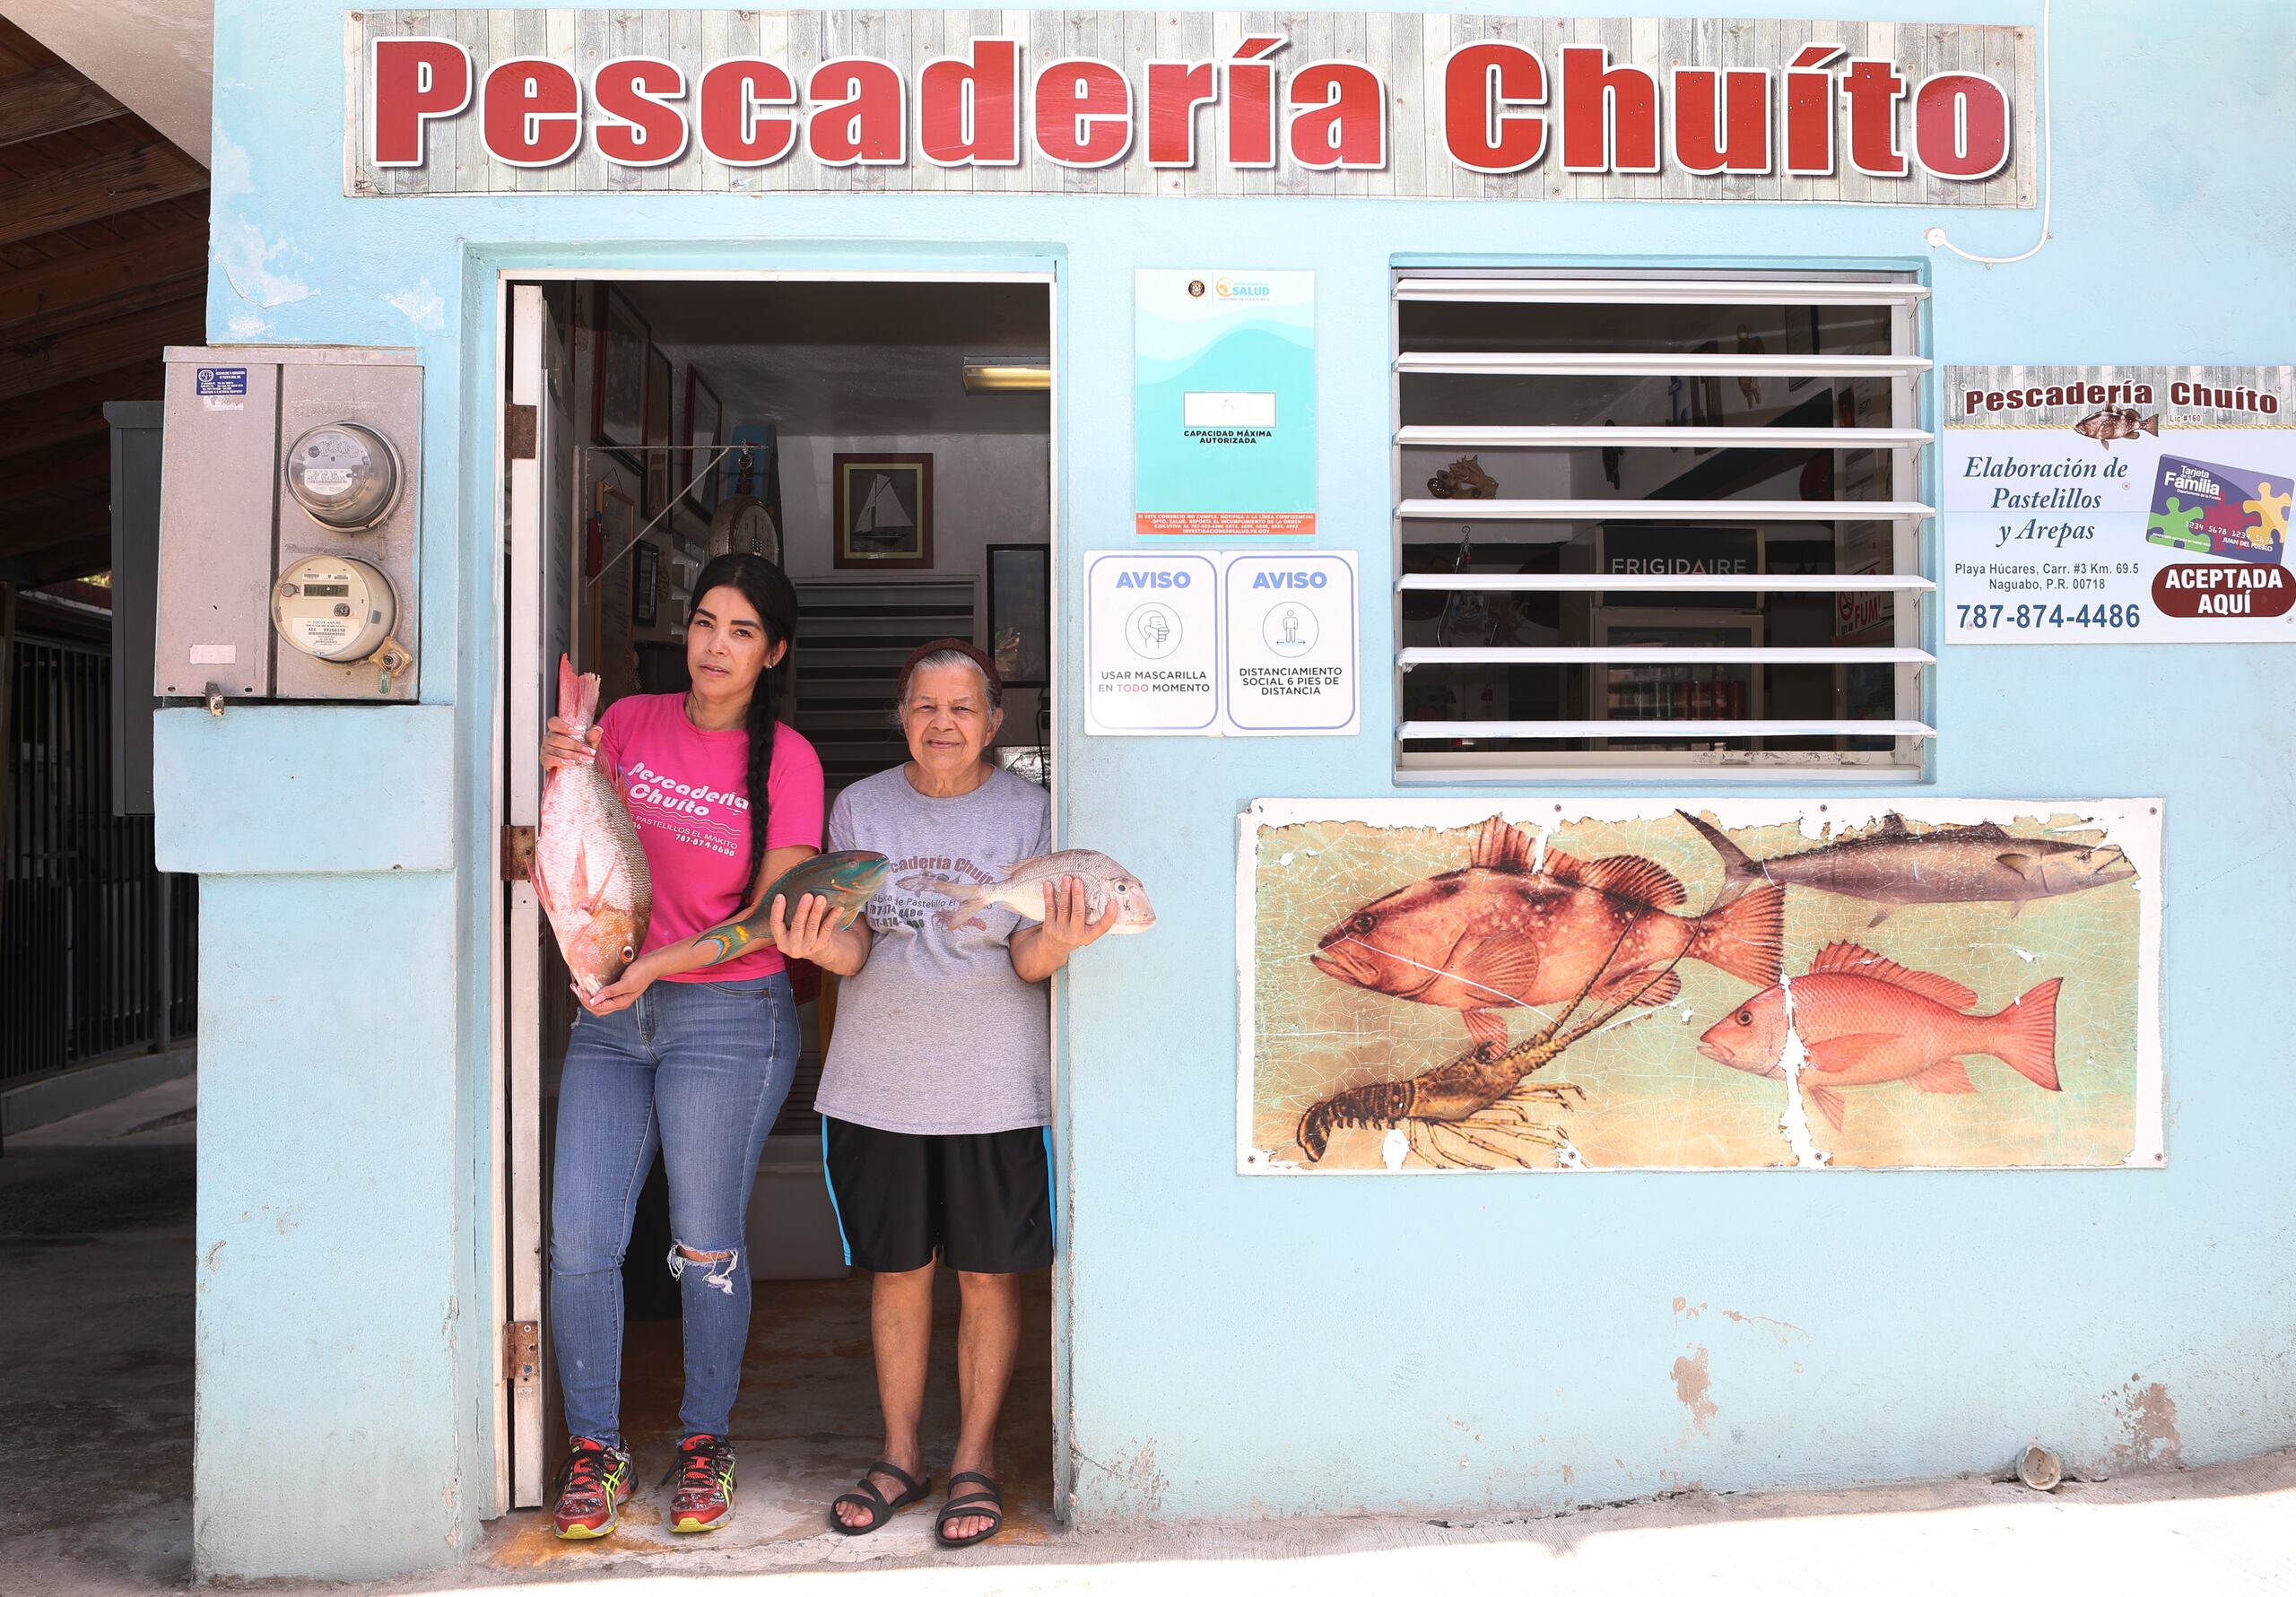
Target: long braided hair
x,y
769,591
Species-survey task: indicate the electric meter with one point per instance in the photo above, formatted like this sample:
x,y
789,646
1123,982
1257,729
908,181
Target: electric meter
x,y
345,475
334,608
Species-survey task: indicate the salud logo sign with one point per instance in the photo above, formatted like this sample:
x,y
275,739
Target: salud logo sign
x,y
1377,104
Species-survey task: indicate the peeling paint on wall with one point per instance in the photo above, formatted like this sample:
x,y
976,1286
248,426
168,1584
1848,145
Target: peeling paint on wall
x,y
1430,985
2148,1419
1693,1387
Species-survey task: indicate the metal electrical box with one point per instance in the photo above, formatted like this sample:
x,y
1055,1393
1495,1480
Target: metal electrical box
x,y
288,511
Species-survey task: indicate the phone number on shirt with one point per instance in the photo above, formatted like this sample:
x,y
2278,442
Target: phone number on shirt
x,y
1977,618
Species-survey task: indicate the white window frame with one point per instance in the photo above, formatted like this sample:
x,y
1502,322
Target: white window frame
x,y
1911,577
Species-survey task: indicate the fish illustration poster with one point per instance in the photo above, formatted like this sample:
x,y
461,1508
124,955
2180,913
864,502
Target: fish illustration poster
x,y
1710,984
2118,504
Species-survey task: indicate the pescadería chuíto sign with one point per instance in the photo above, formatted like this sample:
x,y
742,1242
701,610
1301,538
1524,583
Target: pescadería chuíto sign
x,y
1367,104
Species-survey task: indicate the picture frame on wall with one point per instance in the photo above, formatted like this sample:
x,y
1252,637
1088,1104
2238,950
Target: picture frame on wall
x,y
883,512
618,373
705,430
645,587
1020,612
659,377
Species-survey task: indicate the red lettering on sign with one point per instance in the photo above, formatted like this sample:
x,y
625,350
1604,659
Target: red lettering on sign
x,y
1610,113
1175,89
1721,120
860,115
1339,116
638,128
1251,102
1810,112
530,112
411,84
968,111
735,96
1874,89
1485,84
1082,113
1960,125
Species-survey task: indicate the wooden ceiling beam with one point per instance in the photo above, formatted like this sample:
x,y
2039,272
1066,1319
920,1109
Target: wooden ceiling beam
x,y
66,470
51,416
97,186
50,100
30,364
84,555
85,278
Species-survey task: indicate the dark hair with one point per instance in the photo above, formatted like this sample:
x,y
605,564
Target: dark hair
x,y
767,588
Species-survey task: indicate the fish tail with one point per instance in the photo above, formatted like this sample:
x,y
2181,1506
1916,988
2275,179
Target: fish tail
x,y
1741,871
2151,424
925,881
2023,1036
578,696
1745,938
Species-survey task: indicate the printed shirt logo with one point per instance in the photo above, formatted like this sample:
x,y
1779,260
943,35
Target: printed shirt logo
x,y
896,906
690,813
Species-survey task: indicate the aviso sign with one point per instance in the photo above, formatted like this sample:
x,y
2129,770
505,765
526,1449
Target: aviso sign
x,y
1143,103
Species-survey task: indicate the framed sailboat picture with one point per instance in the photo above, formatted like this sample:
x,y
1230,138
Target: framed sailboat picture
x,y
884,511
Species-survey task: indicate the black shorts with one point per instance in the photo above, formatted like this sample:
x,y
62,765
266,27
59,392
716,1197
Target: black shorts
x,y
982,1201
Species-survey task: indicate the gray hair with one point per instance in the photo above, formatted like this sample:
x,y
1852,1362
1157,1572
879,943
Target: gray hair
x,y
937,660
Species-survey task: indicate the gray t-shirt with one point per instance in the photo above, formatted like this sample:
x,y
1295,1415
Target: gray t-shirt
x,y
937,1035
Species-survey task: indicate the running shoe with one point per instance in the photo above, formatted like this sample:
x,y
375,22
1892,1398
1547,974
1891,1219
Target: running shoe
x,y
592,1485
704,1472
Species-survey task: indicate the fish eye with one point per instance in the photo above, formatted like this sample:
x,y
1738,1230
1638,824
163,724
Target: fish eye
x,y
1745,1016
1362,925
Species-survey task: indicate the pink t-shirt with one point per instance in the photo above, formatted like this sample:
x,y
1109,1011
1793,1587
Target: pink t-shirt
x,y
689,795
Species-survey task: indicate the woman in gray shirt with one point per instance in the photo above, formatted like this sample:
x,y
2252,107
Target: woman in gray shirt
x,y
936,1094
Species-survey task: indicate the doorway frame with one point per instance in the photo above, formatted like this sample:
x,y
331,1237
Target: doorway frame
x,y
491,274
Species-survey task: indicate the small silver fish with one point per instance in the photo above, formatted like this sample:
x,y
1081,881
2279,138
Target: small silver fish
x,y
1022,890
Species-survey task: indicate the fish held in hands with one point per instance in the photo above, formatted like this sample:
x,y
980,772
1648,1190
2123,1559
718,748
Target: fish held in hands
x,y
848,879
1021,890
1498,936
589,872
1864,1021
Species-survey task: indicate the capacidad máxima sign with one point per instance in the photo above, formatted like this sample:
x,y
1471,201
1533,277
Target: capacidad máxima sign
x,y
1409,99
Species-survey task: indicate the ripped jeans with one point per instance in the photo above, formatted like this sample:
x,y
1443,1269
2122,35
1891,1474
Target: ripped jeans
x,y
699,1070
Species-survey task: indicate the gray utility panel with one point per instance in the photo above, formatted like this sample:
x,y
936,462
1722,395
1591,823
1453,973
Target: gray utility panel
x,y
289,505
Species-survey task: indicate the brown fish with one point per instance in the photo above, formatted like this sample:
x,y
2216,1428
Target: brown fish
x,y
1894,866
1498,936
2110,423
589,871
1864,1021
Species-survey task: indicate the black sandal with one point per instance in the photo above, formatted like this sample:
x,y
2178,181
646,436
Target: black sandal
x,y
970,1506
874,1500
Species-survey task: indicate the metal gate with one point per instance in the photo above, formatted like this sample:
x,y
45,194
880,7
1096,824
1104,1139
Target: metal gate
x,y
98,950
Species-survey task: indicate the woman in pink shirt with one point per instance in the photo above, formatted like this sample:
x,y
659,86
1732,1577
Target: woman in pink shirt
x,y
692,1050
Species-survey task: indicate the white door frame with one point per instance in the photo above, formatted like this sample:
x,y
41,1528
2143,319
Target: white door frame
x,y
514,1072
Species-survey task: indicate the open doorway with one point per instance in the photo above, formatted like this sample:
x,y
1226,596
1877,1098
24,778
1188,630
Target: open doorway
x,y
889,443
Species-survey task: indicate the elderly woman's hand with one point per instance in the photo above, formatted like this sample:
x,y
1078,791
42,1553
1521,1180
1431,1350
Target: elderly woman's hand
x,y
1067,922
808,930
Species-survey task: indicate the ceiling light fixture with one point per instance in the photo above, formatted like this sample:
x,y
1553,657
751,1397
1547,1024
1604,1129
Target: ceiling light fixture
x,y
987,374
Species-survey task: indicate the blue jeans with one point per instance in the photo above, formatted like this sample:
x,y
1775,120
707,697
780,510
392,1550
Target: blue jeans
x,y
699,1070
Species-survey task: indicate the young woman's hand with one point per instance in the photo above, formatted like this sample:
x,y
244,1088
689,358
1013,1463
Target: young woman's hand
x,y
561,748
1067,924
622,992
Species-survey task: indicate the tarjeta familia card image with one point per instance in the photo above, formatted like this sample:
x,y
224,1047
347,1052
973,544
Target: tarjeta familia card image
x,y
2230,511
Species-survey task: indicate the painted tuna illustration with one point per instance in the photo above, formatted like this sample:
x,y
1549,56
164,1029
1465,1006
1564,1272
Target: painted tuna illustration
x,y
1894,866
848,879
1022,890
1498,936
588,870
1864,1021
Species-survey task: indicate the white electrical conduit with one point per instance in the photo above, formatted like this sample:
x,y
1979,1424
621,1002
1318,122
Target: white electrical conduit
x,y
1936,236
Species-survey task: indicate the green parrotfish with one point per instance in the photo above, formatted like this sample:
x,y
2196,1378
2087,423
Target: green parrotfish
x,y
847,879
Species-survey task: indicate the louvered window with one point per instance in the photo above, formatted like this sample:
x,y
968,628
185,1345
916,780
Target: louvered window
x,y
1656,524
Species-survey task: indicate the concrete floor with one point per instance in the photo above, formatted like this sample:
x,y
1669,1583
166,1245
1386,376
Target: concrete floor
x,y
96,1276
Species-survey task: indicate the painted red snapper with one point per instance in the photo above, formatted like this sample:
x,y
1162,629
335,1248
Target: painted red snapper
x,y
589,871
1865,1021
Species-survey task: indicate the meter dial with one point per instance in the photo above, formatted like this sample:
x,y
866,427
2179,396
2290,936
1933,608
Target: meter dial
x,y
345,474
743,525
334,608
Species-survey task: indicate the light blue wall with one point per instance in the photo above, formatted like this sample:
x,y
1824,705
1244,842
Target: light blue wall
x,y
1260,1346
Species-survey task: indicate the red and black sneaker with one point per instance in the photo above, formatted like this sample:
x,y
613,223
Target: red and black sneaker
x,y
592,1484
704,1472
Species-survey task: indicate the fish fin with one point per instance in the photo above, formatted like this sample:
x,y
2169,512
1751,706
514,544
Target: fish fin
x,y
2025,1036
1487,1027
1987,829
925,881
1623,875
1504,968
570,690
1500,847
1893,826
2022,863
536,880
1741,871
2016,907
1829,1102
1947,1075
1746,938
1641,988
1839,1053
1850,959
1880,915
953,919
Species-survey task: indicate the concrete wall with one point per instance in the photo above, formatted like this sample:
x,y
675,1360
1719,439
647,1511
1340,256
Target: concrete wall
x,y
1255,1346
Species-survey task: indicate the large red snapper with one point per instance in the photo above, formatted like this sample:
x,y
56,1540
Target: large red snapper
x,y
1865,1020
588,870
1498,936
